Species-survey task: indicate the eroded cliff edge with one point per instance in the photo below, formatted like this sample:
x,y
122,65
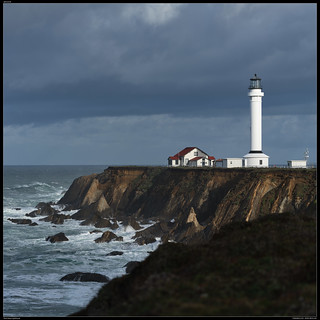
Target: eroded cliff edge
x,y
191,205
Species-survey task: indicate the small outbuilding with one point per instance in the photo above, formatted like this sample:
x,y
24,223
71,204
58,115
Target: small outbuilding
x,y
297,163
229,163
232,163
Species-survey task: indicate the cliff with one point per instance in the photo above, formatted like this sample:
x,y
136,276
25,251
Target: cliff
x,y
191,205
245,240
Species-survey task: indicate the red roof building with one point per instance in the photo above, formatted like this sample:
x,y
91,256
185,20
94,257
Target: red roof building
x,y
191,156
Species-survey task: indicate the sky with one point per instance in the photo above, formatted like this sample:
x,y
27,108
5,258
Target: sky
x,y
134,83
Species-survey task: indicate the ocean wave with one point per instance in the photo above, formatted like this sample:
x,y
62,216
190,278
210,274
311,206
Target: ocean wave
x,y
30,185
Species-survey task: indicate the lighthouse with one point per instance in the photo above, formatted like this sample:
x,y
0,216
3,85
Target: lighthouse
x,y
256,158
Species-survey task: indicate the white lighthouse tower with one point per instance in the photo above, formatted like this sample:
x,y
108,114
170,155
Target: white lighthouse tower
x,y
256,158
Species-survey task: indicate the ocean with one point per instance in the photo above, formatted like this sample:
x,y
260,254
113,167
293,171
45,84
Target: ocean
x,y
32,266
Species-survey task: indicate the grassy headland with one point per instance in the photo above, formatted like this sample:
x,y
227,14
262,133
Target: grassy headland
x,y
265,267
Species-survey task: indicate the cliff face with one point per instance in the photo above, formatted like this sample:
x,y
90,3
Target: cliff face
x,y
197,199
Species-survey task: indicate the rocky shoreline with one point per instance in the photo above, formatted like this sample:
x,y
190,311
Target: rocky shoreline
x,y
188,206
56,217
91,218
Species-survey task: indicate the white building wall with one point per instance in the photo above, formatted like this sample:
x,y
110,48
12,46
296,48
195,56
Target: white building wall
x,y
200,163
232,163
256,118
192,154
256,124
256,160
297,163
203,162
200,153
174,163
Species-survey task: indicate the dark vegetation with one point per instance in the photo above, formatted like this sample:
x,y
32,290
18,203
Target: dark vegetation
x,y
265,267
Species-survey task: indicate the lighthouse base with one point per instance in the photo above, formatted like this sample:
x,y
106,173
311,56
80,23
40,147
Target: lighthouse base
x,y
256,160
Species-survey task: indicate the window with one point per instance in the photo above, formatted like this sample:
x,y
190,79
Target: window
x,y
230,162
196,153
255,83
177,161
260,161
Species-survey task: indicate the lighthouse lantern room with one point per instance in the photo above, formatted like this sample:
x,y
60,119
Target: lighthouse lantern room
x,y
256,158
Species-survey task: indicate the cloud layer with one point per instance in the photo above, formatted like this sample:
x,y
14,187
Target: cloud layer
x,y
135,83
78,60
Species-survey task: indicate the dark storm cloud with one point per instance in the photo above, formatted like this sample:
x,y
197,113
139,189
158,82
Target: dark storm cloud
x,y
64,61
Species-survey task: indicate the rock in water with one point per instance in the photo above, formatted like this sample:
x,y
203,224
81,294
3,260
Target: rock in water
x,y
95,231
145,240
157,230
33,213
131,221
115,253
108,236
85,277
56,218
57,238
131,265
106,223
43,209
114,226
20,221
99,222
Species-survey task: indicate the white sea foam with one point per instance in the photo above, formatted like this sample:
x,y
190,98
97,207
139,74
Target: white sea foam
x,y
30,185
